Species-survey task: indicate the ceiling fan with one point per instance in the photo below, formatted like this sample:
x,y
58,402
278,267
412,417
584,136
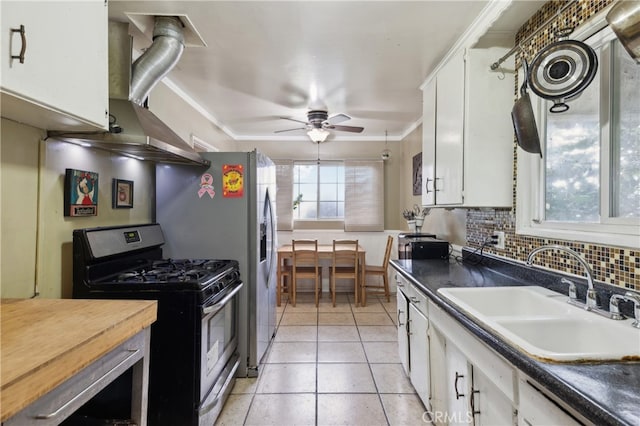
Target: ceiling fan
x,y
319,123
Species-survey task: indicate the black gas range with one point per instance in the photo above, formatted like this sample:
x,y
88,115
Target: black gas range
x,y
208,279
193,356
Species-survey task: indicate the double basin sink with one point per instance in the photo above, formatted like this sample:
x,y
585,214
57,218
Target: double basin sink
x,y
541,323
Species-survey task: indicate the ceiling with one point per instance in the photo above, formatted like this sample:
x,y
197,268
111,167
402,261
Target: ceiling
x,y
262,60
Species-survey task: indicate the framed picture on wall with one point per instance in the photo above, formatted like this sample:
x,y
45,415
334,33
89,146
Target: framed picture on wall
x,y
417,174
80,193
122,194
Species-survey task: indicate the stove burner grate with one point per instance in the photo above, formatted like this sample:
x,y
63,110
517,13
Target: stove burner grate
x,y
171,271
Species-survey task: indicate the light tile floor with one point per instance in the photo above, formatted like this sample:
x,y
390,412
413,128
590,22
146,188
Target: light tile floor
x,y
329,366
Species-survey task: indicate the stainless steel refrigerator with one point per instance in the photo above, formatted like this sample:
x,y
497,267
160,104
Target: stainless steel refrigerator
x,y
227,211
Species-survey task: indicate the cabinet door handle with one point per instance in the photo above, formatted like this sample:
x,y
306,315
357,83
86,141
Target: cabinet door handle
x,y
426,186
23,38
455,385
399,323
133,353
435,187
473,402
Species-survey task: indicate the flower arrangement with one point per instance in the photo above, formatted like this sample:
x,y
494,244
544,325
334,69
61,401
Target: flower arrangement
x,y
415,217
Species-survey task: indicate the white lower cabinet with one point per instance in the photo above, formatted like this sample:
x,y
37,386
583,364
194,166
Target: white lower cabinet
x,y
479,385
413,342
437,373
538,409
460,379
401,324
458,390
419,353
490,406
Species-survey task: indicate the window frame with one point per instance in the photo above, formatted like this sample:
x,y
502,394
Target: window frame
x,y
530,182
327,222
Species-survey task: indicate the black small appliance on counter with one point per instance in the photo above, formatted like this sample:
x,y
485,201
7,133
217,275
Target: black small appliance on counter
x,y
422,246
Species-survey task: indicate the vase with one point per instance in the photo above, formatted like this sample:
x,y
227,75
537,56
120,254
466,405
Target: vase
x,y
412,225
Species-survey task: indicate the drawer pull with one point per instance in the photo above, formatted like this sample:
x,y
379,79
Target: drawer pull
x,y
23,38
133,352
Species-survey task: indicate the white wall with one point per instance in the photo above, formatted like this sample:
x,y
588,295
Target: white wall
x,y
36,236
36,249
185,120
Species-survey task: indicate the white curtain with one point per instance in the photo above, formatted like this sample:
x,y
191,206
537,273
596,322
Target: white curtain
x,y
284,194
364,195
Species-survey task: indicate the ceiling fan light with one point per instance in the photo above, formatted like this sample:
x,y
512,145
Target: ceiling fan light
x,y
318,135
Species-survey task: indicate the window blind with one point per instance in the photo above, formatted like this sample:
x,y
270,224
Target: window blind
x,y
284,195
364,195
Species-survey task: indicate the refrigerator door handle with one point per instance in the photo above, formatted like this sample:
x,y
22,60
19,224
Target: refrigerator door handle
x,y
271,250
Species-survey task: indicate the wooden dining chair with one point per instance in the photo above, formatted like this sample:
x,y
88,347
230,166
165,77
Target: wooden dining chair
x,y
377,286
284,283
344,265
305,265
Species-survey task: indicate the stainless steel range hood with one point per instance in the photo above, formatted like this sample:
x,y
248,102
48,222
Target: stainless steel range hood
x,y
134,130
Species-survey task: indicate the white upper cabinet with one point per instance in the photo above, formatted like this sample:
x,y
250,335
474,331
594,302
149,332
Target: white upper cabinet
x,y
467,133
429,143
62,81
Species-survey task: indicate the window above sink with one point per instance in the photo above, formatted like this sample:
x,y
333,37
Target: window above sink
x,y
586,186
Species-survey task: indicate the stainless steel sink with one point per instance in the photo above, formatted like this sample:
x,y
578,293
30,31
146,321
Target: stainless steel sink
x,y
540,322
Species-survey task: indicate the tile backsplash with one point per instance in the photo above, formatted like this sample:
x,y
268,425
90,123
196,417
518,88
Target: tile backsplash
x,y
612,265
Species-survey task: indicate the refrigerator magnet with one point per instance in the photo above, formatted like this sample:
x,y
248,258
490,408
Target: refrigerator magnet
x,y
232,181
206,185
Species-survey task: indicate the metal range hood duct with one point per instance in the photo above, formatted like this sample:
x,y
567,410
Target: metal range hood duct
x,y
134,130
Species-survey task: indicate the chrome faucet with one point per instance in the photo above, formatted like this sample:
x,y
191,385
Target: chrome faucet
x,y
630,297
591,302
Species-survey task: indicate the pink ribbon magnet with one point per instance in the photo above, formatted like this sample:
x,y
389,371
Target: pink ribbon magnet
x,y
206,185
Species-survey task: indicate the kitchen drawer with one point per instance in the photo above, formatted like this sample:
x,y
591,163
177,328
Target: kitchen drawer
x,y
404,285
419,300
53,407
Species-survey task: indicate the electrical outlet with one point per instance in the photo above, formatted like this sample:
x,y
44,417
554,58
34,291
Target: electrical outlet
x,y
498,237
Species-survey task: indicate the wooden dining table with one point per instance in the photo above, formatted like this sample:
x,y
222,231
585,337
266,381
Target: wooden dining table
x,y
325,251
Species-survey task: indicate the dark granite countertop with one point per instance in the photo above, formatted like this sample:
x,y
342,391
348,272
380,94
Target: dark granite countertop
x,y
604,393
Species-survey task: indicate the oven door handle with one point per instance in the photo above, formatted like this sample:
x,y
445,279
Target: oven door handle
x,y
215,308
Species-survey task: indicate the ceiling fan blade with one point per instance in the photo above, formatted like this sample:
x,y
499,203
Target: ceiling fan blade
x,y
338,118
354,129
293,119
290,130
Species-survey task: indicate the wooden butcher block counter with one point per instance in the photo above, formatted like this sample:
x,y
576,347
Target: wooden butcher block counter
x,y
45,342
